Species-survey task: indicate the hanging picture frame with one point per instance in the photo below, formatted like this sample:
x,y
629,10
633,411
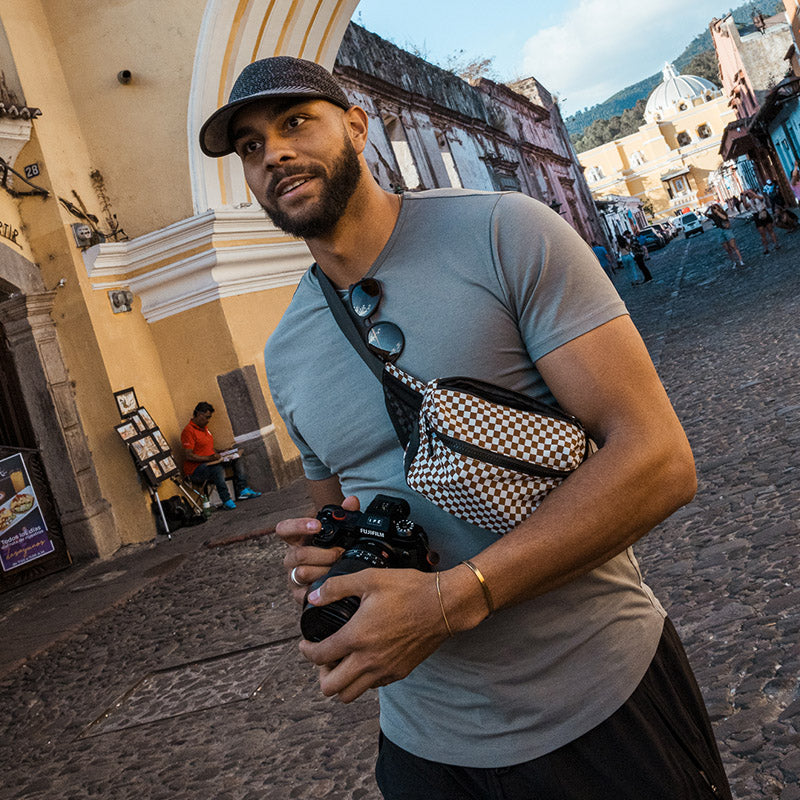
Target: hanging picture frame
x,y
144,448
127,430
127,403
168,466
146,418
160,441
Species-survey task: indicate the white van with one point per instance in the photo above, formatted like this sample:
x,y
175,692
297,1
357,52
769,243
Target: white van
x,y
690,223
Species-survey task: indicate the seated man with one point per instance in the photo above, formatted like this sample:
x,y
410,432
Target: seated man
x,y
203,461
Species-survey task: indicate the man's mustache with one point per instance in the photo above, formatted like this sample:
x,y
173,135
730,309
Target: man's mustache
x,y
290,171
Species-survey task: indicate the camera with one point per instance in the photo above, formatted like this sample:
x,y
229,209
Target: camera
x,y
380,536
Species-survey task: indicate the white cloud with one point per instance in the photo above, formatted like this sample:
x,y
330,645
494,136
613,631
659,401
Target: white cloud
x,y
599,47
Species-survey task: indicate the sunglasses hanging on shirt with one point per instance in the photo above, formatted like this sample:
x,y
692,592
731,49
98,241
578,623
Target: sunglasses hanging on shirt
x,y
384,339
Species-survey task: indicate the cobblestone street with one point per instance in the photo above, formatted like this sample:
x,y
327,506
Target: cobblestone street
x,y
171,671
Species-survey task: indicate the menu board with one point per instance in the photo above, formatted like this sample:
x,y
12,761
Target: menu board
x,y
23,532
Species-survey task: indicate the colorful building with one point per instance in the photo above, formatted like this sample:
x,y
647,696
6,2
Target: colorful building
x,y
668,161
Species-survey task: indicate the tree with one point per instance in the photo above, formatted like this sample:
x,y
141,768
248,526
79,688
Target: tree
x,y
602,131
704,65
470,68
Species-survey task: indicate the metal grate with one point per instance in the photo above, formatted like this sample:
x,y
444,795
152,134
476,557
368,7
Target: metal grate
x,y
194,686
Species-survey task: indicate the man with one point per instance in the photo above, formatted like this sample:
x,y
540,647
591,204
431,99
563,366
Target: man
x,y
202,461
576,687
639,250
603,258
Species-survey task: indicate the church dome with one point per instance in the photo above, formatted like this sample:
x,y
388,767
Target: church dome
x,y
676,93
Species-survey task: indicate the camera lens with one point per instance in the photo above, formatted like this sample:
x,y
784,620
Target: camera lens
x,y
319,622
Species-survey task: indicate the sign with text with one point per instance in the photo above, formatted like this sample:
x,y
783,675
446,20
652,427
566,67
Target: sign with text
x,y
23,532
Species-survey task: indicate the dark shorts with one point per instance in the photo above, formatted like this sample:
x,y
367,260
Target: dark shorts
x,y
659,745
762,223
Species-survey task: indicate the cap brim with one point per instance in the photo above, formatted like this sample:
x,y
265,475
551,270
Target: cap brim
x,y
215,140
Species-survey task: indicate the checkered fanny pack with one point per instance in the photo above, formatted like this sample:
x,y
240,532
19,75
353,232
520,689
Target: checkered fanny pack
x,y
483,453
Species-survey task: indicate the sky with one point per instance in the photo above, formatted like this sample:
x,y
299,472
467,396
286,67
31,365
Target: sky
x,y
582,50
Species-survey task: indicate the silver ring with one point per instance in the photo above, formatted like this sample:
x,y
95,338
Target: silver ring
x,y
293,579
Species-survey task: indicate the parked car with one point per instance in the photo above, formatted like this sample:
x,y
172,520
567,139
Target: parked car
x,y
667,229
691,224
651,238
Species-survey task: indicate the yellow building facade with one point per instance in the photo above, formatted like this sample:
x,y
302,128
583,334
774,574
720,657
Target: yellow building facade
x,y
670,159
106,200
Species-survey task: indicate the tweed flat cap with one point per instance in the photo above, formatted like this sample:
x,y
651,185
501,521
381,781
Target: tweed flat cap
x,y
280,76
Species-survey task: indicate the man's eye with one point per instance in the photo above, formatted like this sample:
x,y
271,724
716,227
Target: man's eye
x,y
246,147
295,122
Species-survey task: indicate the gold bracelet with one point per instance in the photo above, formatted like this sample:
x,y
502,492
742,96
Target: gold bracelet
x,y
486,593
441,605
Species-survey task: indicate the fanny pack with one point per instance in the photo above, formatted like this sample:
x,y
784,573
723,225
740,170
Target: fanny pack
x,y
483,453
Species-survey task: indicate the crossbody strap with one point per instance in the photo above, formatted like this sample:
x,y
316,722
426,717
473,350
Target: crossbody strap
x,y
347,324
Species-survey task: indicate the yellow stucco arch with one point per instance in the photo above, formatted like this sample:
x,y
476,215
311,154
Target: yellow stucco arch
x,y
233,34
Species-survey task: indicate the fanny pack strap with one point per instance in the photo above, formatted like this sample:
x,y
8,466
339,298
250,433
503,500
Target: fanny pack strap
x,y
347,324
402,402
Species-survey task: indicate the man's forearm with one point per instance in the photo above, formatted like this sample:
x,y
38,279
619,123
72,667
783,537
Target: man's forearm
x,y
612,500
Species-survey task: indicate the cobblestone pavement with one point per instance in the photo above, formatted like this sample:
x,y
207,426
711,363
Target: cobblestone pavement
x,y
172,671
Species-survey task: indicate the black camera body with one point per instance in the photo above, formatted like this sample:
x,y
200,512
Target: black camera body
x,y
380,536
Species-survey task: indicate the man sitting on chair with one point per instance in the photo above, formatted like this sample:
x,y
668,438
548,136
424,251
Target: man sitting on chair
x,y
203,462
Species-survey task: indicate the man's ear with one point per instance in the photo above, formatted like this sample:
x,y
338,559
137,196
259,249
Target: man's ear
x,y
356,124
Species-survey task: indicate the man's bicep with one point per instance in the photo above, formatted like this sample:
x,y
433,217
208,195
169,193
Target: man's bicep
x,y
606,379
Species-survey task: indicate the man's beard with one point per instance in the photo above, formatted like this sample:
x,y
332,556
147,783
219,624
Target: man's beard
x,y
337,189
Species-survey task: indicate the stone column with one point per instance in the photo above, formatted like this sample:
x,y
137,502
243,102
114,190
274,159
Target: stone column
x,y
253,430
86,518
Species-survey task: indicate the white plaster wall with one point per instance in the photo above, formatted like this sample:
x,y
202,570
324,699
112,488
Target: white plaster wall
x,y
466,156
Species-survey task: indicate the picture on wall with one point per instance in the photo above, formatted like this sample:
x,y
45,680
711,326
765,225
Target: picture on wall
x,y
127,430
146,418
160,440
168,466
140,424
144,448
127,403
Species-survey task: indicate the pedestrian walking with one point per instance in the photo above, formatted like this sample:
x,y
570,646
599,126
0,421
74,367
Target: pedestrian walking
x,y
794,182
722,229
603,258
534,661
627,260
639,250
762,218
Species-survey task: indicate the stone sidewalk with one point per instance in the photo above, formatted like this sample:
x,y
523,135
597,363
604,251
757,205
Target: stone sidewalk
x,y
172,670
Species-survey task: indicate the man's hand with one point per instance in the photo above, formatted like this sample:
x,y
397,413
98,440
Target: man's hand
x,y
307,563
397,626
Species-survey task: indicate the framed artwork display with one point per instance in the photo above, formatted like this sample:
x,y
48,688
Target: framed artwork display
x,y
127,403
146,418
144,448
127,430
160,440
168,466
140,424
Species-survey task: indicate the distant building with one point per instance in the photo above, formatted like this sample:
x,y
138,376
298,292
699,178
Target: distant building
x,y
429,128
759,68
668,161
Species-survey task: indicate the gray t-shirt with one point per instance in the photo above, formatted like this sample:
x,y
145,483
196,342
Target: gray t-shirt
x,y
482,285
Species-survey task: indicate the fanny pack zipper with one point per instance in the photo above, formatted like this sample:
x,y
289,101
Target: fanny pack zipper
x,y
506,462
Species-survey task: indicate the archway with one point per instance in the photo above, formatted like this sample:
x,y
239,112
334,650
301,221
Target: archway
x,y
232,35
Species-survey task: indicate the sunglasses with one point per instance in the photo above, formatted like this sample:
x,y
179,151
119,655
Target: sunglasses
x,y
384,339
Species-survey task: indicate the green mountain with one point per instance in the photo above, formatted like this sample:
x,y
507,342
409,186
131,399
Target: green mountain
x,y
627,98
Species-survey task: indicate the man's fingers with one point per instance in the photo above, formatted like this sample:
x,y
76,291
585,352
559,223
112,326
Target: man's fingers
x,y
297,531
351,503
311,556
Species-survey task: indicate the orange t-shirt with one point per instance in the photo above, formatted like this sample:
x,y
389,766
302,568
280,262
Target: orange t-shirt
x,y
200,441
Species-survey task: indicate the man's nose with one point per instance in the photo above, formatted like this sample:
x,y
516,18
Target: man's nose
x,y
277,151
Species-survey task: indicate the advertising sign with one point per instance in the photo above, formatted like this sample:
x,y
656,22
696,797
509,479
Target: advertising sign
x,y
23,532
